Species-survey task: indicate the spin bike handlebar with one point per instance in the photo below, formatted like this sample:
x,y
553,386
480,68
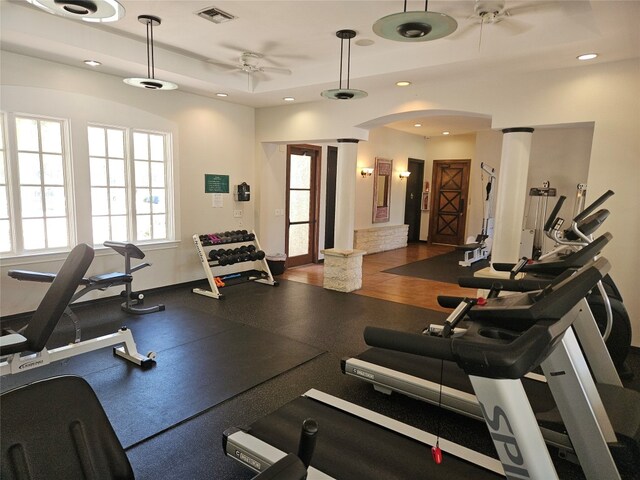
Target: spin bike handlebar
x,y
554,213
591,208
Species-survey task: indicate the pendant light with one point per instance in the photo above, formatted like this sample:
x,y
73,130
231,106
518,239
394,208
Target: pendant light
x,y
86,10
344,93
415,26
150,82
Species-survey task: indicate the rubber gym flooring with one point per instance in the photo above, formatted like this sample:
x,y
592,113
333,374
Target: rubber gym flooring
x,y
227,363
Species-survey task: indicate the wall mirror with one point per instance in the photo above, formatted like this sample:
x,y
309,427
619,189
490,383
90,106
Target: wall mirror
x,y
382,190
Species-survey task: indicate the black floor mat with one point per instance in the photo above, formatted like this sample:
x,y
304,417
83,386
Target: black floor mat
x,y
442,268
195,371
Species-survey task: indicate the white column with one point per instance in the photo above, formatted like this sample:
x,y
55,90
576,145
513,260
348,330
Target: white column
x,y
512,195
345,194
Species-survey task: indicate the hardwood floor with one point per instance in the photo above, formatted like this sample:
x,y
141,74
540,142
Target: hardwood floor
x,y
387,286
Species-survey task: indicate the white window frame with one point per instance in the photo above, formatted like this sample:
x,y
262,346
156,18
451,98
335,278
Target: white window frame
x,y
131,185
13,177
7,184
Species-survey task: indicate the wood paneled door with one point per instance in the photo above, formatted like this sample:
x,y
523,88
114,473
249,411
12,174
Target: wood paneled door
x,y
449,201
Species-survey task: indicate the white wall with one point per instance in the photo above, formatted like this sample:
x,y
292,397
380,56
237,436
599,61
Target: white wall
x,y
389,144
209,136
607,94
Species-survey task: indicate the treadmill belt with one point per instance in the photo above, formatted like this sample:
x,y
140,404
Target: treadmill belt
x,y
453,376
351,448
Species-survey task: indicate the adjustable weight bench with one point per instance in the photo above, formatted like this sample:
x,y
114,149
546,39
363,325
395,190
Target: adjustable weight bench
x,y
476,251
26,349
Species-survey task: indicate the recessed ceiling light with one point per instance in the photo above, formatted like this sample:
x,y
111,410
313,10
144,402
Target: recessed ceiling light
x,y
288,99
222,94
92,63
587,56
364,42
417,124
445,133
403,83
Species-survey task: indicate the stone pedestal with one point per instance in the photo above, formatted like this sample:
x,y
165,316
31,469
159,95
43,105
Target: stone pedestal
x,y
342,269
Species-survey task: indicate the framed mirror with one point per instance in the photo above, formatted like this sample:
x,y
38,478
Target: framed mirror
x,y
382,190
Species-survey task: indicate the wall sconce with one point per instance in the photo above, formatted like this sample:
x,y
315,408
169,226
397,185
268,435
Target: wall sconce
x,y
366,172
404,175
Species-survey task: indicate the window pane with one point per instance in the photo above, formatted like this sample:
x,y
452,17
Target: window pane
x,y
54,202
33,233
51,135
31,199
5,236
119,229
142,174
300,171
157,147
159,227
158,204
99,201
96,142
53,169
299,205
27,133
4,207
157,174
29,166
115,142
143,200
143,227
98,172
298,239
118,201
57,232
116,173
100,230
140,146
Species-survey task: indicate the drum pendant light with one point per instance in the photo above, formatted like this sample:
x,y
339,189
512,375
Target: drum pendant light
x,y
415,26
150,82
86,10
344,93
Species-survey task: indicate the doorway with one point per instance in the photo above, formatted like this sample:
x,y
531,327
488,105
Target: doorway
x,y
413,199
330,198
449,201
303,177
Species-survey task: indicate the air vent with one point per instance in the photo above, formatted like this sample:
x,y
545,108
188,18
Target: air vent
x,y
215,15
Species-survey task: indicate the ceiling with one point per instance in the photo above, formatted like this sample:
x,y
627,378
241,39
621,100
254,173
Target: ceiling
x,y
299,36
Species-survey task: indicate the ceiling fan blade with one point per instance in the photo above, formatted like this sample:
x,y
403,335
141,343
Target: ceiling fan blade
x,y
226,66
283,71
513,26
465,31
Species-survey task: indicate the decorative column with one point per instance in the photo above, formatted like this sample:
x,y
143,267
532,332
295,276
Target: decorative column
x,y
512,194
343,264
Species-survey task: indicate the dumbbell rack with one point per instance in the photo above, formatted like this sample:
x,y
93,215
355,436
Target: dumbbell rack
x,y
260,276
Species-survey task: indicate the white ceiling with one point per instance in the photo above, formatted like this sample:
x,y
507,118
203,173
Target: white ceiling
x,y
300,36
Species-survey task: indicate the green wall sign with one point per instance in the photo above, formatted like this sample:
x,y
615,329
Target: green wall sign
x,y
216,183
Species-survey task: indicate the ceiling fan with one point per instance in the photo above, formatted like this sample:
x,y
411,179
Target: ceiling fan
x,y
251,62
494,12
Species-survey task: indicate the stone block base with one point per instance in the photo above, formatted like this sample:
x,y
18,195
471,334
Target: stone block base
x,y
342,270
380,239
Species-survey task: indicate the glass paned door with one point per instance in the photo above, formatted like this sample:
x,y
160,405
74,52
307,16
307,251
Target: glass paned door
x,y
301,235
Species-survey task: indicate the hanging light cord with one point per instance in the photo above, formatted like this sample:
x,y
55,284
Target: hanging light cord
x,y
150,60
341,60
348,63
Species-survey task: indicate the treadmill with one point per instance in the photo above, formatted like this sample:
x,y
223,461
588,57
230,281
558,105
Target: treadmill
x,y
419,377
352,444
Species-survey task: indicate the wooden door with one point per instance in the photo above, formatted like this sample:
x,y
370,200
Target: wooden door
x,y
449,201
301,237
413,199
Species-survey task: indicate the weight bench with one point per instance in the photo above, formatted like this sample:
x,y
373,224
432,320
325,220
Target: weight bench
x,y
101,282
26,349
474,252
